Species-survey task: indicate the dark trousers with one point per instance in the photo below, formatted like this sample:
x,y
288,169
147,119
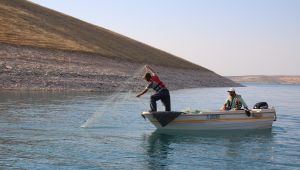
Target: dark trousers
x,y
164,96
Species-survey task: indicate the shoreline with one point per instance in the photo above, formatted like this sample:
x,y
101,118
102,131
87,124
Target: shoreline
x,y
41,69
268,79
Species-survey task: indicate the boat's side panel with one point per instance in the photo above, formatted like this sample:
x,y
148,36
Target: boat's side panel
x,y
219,125
260,119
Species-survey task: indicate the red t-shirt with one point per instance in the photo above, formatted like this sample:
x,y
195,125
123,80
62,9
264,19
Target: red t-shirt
x,y
156,84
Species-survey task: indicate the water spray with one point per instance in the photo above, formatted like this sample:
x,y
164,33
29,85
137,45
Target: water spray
x,y
114,98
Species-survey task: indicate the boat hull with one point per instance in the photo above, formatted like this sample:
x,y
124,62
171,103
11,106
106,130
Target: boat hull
x,y
228,120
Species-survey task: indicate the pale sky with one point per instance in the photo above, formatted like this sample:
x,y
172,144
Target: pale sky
x,y
229,37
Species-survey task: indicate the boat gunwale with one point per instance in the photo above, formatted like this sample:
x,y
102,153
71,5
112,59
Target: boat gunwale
x,y
262,111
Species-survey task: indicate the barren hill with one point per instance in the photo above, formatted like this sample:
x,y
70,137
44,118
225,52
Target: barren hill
x,y
56,51
25,23
265,79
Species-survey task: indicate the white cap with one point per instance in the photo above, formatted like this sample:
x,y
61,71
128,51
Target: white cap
x,y
231,90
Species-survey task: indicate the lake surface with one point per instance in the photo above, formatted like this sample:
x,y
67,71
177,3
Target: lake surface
x,y
42,130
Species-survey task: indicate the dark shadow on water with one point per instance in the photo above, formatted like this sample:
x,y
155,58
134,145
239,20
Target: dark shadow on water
x,y
160,144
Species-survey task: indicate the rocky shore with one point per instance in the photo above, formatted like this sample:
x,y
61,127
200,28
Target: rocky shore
x,y
30,68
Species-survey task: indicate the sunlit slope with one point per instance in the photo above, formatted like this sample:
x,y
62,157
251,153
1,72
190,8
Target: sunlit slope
x,y
25,23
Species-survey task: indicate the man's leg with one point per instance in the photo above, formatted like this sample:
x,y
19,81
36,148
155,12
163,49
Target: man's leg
x,y
166,102
153,100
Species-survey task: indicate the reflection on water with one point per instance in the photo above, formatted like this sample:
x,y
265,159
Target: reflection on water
x,y
159,147
41,130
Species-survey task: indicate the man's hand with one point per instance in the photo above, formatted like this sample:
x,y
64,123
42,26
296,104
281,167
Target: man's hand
x,y
142,93
147,67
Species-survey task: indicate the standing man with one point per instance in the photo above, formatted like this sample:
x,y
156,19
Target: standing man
x,y
234,101
162,93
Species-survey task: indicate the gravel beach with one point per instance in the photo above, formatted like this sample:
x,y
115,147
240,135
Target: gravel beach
x,y
31,68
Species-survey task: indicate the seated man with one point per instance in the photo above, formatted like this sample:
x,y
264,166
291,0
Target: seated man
x,y
234,101
162,93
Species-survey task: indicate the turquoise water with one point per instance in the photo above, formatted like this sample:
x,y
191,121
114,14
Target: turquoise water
x,y
40,130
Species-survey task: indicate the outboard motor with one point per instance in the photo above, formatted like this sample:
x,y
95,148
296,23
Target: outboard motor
x,y
261,105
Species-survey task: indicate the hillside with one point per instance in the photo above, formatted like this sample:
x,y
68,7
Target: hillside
x,y
25,23
266,79
44,49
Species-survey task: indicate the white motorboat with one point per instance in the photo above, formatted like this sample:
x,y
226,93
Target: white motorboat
x,y
214,120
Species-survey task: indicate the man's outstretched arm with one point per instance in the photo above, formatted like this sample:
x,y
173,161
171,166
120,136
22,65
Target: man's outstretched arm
x,y
142,93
